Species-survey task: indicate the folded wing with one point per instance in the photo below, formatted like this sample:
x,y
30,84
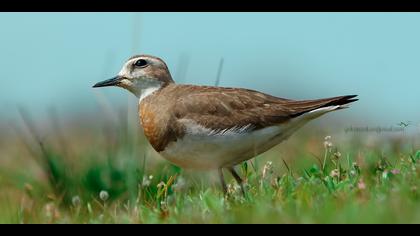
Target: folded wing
x,y
242,110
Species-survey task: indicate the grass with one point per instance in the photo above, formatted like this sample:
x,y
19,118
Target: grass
x,y
111,176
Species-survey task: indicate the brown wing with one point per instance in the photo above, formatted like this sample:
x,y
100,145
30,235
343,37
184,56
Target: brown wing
x,y
220,108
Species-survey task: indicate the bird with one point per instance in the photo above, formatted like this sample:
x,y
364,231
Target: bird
x,y
209,127
404,124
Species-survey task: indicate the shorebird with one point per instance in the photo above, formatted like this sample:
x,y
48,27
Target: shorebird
x,y
208,127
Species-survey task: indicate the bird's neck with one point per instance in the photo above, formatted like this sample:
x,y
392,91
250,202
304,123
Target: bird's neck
x,y
145,87
145,92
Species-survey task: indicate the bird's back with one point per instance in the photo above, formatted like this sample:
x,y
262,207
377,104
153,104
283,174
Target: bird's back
x,y
224,107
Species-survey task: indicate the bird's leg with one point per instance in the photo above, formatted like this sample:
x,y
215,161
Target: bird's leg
x,y
222,180
238,179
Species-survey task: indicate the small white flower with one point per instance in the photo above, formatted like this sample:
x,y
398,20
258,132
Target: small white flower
x,y
103,195
334,173
230,188
75,201
328,144
163,205
146,181
337,154
327,138
161,184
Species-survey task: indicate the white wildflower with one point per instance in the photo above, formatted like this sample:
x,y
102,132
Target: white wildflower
x,y
103,195
146,181
75,201
328,144
335,173
337,155
161,184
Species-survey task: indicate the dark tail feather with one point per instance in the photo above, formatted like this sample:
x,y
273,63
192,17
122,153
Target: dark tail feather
x,y
340,100
302,107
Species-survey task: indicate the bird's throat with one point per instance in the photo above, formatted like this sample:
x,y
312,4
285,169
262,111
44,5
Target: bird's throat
x,y
147,91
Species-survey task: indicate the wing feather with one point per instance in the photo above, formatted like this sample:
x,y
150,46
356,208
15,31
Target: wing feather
x,y
236,110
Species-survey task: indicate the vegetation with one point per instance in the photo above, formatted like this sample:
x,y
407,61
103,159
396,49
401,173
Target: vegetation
x,y
111,175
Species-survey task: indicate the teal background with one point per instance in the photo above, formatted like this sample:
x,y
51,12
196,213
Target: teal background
x,y
53,59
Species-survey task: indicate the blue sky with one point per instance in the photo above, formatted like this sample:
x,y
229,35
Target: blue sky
x,y
52,59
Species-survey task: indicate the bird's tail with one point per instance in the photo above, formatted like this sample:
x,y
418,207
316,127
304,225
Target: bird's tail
x,y
320,106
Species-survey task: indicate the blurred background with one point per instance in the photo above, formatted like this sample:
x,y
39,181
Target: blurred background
x,y
52,59
49,62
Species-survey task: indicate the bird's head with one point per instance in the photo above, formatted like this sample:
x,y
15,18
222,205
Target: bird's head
x,y
140,74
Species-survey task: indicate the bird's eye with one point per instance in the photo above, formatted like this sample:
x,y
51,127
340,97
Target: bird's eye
x,y
141,63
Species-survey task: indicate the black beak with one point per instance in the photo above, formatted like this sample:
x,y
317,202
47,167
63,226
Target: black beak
x,y
109,82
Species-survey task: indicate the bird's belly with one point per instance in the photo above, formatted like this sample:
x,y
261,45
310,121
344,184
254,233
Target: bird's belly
x,y
215,151
201,149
